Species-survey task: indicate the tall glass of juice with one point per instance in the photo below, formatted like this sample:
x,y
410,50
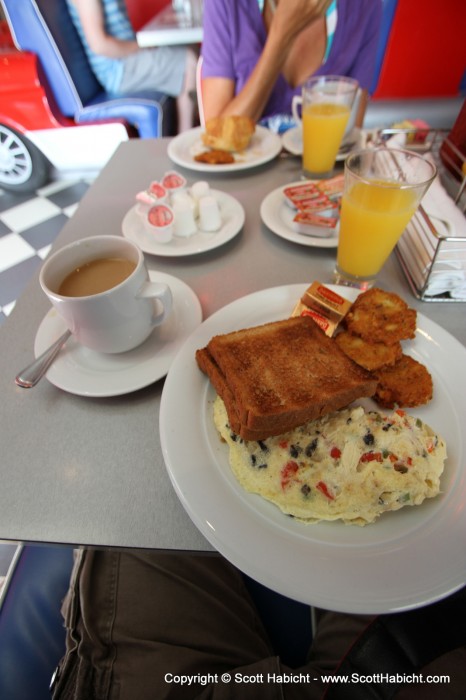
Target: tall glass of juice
x,y
383,188
326,102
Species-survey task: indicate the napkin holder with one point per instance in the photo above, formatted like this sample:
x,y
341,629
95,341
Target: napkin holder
x,y
443,248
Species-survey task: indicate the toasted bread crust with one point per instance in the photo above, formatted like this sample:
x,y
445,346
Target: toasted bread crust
x,y
281,375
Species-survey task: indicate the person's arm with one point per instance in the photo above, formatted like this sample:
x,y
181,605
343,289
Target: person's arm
x,y
362,106
92,20
291,17
365,60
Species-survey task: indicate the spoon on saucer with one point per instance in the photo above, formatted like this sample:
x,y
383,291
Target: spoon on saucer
x,y
30,375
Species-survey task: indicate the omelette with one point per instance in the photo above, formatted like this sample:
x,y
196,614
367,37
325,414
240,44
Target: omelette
x,y
349,465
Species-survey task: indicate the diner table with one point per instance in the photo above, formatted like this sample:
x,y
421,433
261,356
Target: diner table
x,y
90,471
170,27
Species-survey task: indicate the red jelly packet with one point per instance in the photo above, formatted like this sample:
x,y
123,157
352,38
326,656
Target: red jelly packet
x,y
332,186
311,219
305,191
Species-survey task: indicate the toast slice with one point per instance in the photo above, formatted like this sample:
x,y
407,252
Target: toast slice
x,y
277,376
208,365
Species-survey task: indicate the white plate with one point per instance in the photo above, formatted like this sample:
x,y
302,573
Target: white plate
x,y
265,145
404,560
233,217
278,216
81,371
292,141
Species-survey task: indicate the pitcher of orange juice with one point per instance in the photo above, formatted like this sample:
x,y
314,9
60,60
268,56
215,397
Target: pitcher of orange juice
x,y
326,103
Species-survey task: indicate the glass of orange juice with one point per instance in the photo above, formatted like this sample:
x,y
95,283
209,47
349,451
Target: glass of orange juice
x,y
326,102
383,188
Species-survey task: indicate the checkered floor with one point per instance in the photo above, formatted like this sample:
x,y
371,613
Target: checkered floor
x,y
29,225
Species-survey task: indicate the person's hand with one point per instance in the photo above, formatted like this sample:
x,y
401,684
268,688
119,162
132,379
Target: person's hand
x,y
292,16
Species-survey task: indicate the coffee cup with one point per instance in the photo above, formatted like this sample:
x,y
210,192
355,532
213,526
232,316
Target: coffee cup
x,y
100,287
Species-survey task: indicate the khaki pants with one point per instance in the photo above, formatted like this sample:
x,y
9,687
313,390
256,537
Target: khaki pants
x,y
147,625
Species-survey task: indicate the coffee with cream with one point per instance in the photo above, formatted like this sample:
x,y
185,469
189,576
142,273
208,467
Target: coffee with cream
x,y
96,276
100,286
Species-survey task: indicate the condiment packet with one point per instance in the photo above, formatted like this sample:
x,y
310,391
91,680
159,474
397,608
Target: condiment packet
x,y
324,306
332,186
311,224
173,181
159,223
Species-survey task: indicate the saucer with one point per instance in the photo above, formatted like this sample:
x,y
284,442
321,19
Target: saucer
x,y
278,216
79,370
233,217
292,141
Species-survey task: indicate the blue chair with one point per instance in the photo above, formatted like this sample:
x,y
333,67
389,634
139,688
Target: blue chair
x,y
45,28
54,114
32,635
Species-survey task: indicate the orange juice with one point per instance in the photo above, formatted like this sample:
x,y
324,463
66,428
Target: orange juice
x,y
323,127
373,217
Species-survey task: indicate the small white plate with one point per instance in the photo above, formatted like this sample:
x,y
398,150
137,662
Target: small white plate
x,y
233,217
404,560
292,140
265,145
85,372
278,216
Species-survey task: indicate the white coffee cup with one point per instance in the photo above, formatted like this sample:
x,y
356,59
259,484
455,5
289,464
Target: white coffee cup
x,y
117,319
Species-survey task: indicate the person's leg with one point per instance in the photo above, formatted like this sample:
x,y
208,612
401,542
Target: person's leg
x,y
334,636
136,620
169,69
186,101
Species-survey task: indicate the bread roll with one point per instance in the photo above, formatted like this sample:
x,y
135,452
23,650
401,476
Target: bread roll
x,y
231,133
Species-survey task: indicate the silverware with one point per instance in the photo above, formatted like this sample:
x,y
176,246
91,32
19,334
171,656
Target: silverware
x,y
30,375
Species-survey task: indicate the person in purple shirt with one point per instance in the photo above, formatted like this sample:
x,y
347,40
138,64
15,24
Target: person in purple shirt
x,y
256,54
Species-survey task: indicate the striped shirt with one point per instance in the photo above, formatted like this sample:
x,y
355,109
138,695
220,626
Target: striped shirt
x,y
331,17
108,71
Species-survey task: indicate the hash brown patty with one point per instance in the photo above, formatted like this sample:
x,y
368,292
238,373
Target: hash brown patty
x,y
381,317
406,383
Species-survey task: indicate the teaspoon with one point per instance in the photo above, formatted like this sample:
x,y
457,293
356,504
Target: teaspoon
x,y
30,375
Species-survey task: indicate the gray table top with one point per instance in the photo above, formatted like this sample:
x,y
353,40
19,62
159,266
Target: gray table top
x,y
169,28
86,471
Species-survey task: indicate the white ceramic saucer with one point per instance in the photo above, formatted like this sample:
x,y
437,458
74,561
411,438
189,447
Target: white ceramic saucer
x,y
85,372
278,216
292,141
233,216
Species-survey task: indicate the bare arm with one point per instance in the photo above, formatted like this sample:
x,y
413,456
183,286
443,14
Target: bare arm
x,y
291,17
92,20
362,106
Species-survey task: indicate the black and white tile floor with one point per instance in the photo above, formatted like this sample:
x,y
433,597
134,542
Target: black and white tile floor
x,y
29,224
